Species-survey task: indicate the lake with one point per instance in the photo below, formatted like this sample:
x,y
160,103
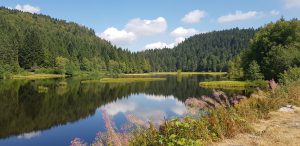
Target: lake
x,y
55,111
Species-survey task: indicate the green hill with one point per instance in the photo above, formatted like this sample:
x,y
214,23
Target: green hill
x,y
35,42
202,52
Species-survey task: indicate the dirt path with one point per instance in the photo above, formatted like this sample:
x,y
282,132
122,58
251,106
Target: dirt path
x,y
282,129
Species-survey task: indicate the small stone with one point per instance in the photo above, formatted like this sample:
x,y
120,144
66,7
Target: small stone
x,y
286,109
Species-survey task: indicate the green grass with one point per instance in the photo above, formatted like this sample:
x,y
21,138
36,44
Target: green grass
x,y
123,80
233,84
176,73
37,76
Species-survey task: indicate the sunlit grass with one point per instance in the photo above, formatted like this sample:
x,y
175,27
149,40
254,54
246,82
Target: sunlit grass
x,y
176,73
233,84
123,80
38,76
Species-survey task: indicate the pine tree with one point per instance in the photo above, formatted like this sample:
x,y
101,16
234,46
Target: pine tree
x,y
254,72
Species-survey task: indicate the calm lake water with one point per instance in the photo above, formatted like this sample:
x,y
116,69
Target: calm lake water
x,y
47,112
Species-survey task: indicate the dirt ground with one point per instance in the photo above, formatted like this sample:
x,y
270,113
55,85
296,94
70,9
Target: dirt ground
x,y
282,129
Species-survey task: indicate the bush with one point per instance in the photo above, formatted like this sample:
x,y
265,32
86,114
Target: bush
x,y
219,123
44,71
6,71
61,65
290,76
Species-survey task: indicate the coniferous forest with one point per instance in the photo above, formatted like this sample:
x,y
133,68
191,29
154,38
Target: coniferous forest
x,y
39,43
202,52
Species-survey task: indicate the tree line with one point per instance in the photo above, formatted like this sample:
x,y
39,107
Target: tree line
x,y
203,52
38,42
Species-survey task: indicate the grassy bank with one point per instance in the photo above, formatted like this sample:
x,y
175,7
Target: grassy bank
x,y
30,76
123,80
219,123
233,84
176,73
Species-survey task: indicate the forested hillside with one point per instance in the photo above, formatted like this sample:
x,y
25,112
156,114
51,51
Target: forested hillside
x,y
203,52
37,42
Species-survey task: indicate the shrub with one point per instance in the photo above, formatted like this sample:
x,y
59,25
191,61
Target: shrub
x,y
217,124
289,76
44,71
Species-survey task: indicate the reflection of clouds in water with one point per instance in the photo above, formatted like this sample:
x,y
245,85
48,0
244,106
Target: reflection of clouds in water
x,y
158,97
179,108
153,115
29,135
119,106
147,107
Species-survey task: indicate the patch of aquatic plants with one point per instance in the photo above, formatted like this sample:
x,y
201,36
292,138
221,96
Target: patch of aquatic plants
x,y
233,84
175,73
38,76
123,80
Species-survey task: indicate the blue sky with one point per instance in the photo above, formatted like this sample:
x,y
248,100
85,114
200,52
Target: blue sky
x,y
144,24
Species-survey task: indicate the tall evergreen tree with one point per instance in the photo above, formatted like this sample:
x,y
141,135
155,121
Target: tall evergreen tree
x,y
253,72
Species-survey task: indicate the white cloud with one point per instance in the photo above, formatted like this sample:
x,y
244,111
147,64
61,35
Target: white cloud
x,y
179,33
118,37
29,135
292,3
133,30
122,106
28,8
183,32
274,13
159,97
158,45
146,27
238,16
179,40
193,16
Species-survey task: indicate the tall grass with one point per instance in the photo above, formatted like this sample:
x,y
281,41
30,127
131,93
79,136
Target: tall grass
x,y
221,122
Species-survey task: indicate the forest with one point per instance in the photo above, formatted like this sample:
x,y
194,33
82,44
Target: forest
x,y
203,52
41,44
273,53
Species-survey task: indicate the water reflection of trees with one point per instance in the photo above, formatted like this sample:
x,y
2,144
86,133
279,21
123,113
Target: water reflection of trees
x,y
25,109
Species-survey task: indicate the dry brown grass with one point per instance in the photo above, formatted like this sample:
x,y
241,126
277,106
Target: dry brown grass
x,y
282,129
